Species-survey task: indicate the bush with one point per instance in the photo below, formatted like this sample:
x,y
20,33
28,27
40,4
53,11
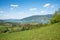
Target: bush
x,y
3,29
56,17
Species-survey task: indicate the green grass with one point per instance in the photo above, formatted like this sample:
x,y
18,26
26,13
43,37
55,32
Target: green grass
x,y
51,32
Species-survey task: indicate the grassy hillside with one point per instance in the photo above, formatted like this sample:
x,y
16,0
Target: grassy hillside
x,y
51,32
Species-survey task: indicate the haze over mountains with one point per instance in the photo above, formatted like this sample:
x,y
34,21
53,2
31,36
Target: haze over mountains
x,y
34,18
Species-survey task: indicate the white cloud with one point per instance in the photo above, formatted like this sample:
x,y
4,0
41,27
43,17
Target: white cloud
x,y
48,5
14,5
33,9
42,11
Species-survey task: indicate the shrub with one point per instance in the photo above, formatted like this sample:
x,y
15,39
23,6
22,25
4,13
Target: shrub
x,y
56,17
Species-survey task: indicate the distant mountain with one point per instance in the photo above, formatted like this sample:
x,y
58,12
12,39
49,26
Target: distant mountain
x,y
34,18
38,18
11,20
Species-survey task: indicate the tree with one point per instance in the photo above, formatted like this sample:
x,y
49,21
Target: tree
x,y
56,17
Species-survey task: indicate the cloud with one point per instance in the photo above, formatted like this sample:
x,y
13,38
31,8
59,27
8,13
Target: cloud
x,y
13,6
48,5
42,11
33,9
1,11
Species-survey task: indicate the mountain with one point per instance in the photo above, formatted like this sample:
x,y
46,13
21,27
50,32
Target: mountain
x,y
11,20
38,18
34,18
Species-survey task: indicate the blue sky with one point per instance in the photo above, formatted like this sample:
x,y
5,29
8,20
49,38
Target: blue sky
x,y
18,9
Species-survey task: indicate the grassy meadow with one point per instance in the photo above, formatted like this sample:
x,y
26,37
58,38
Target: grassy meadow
x,y
29,20
51,32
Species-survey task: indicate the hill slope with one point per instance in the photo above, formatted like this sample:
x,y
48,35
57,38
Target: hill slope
x,y
51,32
38,18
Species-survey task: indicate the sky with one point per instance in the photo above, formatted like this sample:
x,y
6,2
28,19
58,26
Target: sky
x,y
18,9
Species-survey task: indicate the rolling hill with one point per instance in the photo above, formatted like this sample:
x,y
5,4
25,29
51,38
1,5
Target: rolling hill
x,y
51,32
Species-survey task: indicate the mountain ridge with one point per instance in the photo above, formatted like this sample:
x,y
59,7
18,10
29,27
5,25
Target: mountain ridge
x,y
34,18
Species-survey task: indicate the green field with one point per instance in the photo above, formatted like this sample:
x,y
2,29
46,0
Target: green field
x,y
51,32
